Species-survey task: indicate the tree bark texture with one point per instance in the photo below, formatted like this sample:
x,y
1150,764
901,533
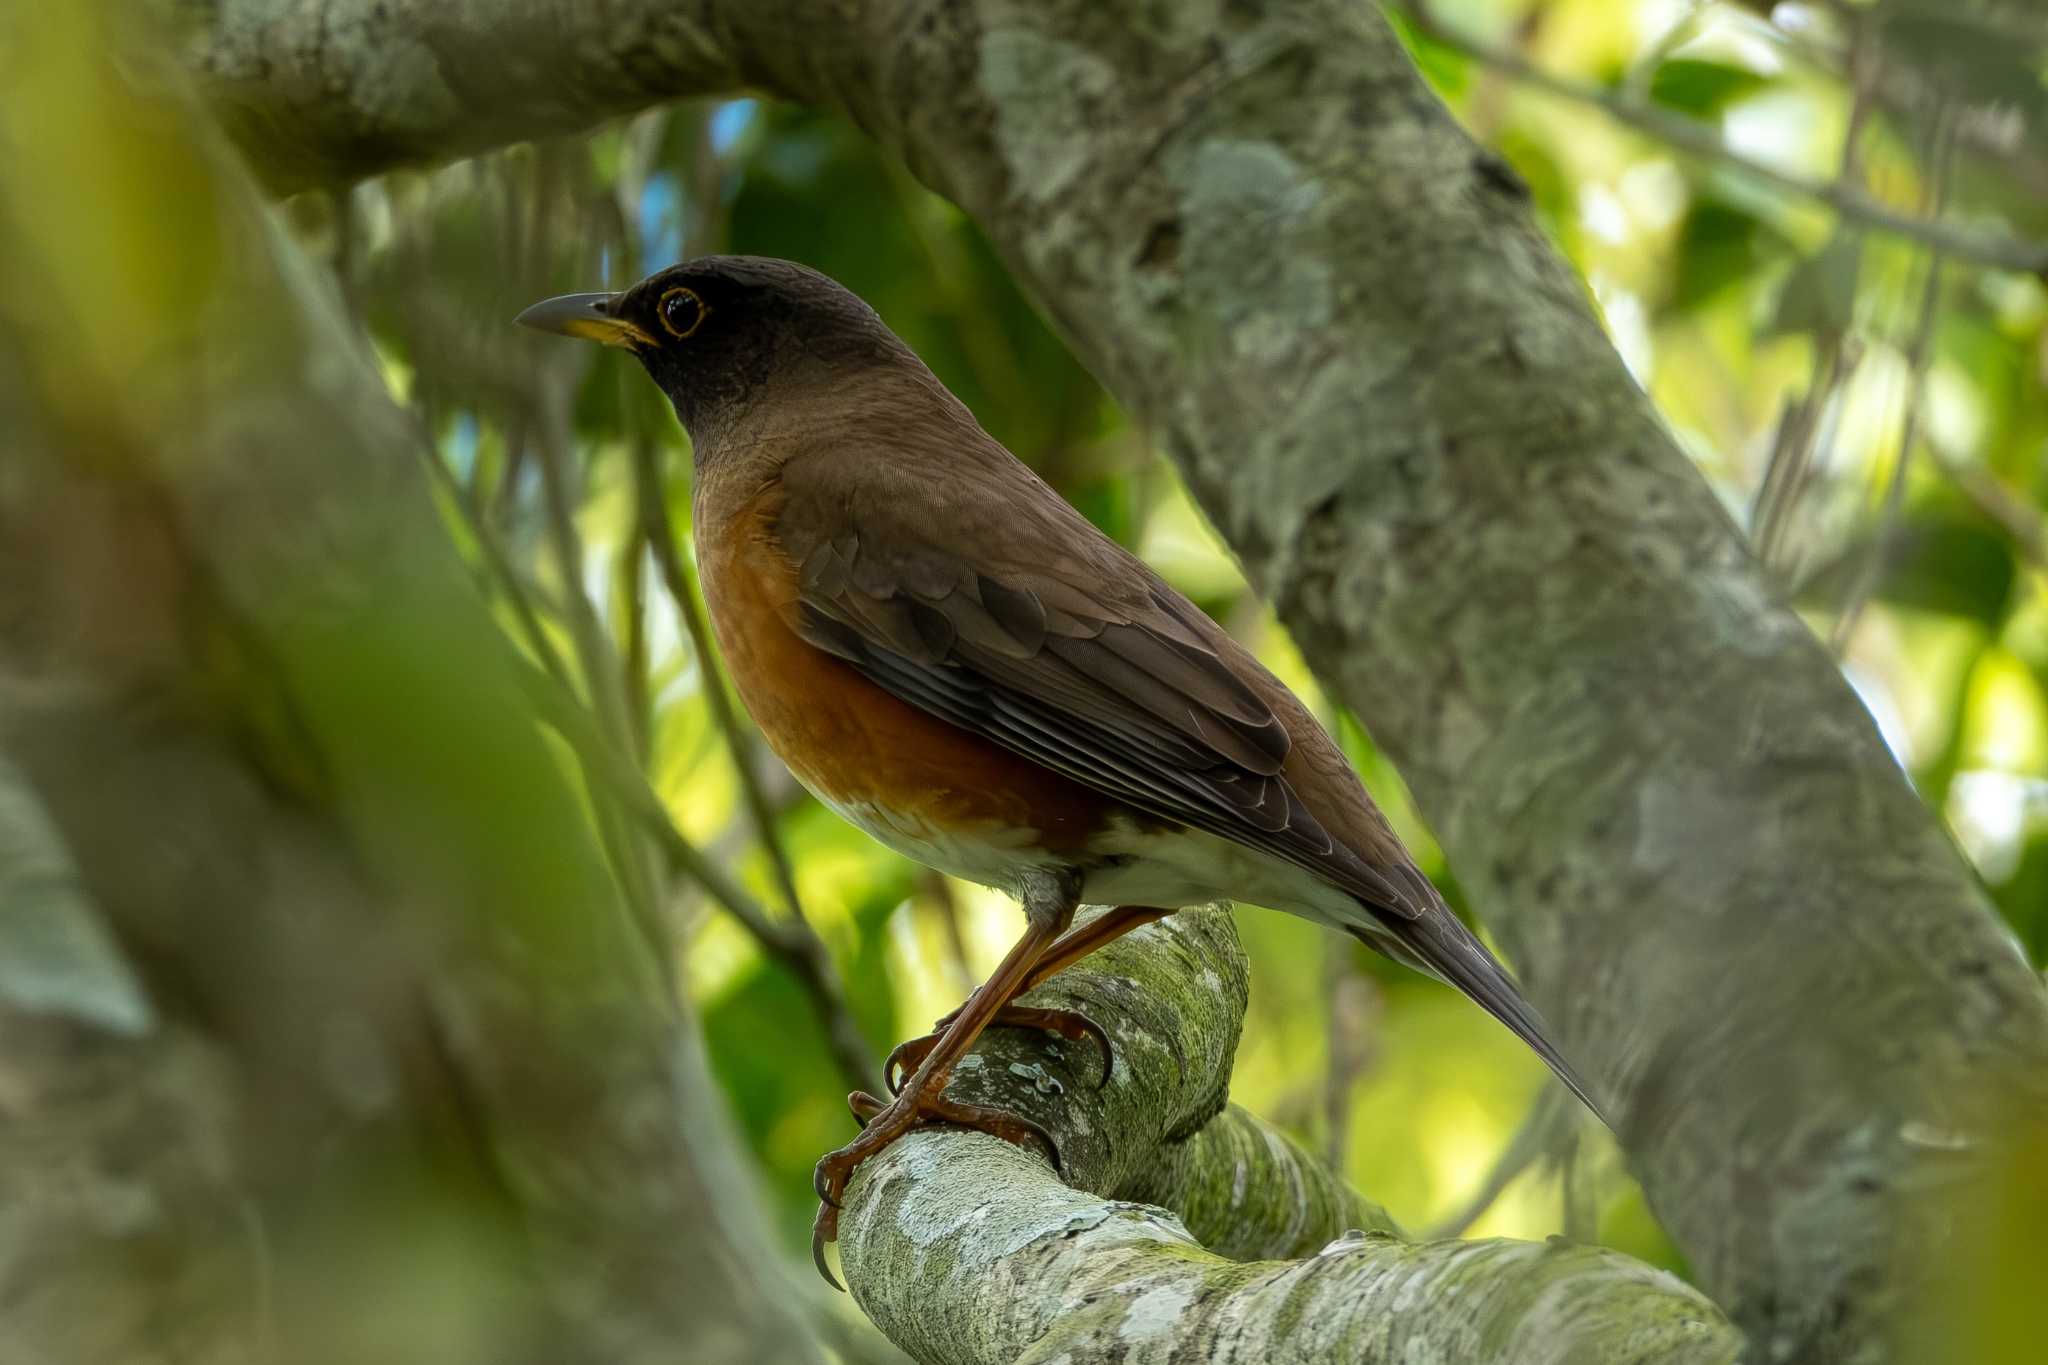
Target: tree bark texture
x,y
1257,225
1177,1230
327,1037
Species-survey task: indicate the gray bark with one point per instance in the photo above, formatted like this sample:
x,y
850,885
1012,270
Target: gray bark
x,y
967,1251
1269,239
326,1036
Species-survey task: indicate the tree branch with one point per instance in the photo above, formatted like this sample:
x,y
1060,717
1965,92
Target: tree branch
x,y
1843,195
409,1037
968,1251
791,942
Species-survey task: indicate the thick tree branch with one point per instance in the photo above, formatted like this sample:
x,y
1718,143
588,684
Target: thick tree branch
x,y
966,1250
1263,232
399,1036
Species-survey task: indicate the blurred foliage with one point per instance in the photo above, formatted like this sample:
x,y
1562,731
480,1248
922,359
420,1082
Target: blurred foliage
x,y
1786,348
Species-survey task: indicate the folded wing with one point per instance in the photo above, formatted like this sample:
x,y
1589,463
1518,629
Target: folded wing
x,y
1126,696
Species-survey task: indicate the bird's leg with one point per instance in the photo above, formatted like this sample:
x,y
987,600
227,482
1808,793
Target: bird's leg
x,y
1069,1024
1107,927
1050,909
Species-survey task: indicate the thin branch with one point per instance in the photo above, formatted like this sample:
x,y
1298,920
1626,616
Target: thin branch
x,y
1918,356
502,575
1541,1131
1350,1004
706,227
631,570
790,942
1996,500
934,887
601,675
681,584
2011,253
1790,467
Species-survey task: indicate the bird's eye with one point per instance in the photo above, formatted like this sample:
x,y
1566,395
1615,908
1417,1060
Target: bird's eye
x,y
682,312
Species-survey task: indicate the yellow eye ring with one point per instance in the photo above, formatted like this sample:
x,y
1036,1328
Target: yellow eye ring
x,y
681,305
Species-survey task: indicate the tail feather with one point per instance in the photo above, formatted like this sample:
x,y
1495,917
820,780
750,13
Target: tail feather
x,y
1436,943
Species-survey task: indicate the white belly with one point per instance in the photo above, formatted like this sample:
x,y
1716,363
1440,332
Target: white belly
x,y
1187,867
1162,869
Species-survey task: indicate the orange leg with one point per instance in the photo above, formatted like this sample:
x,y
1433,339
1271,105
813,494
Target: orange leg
x,y
1105,928
1067,1023
922,1100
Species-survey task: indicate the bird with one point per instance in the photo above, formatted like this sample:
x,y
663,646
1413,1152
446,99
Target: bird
x,y
951,657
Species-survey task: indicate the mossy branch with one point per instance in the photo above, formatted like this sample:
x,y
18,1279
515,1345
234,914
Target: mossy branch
x,y
967,1250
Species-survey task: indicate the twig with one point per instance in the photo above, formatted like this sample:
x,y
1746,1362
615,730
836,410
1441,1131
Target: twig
x,y
940,892
502,575
1990,495
1577,1189
632,573
681,583
2012,253
790,942
1548,1120
599,663
1790,467
1350,1002
657,530
1919,353
1791,463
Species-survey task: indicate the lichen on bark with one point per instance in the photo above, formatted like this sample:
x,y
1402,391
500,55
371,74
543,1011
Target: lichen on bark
x,y
1180,1228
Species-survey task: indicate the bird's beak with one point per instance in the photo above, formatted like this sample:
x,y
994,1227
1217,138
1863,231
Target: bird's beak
x,y
588,316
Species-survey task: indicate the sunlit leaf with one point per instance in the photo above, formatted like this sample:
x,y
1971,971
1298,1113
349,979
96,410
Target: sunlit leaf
x,y
1702,88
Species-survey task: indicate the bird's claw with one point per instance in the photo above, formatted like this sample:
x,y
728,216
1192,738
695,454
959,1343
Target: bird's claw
x,y
1068,1024
882,1125
825,1228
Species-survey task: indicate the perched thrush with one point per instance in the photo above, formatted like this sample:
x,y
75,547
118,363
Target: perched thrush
x,y
952,658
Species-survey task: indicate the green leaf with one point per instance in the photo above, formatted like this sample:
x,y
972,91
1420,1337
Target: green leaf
x,y
1953,565
1943,557
1702,89
1820,294
1719,245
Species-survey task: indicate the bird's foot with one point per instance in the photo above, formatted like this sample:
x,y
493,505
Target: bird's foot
x,y
1068,1024
882,1124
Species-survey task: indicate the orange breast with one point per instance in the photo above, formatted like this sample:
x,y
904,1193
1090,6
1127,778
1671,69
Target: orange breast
x,y
847,739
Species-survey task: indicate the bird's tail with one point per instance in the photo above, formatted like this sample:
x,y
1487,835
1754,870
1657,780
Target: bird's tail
x,y
1436,943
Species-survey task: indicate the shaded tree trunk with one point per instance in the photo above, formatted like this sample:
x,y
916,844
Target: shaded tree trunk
x,y
327,1036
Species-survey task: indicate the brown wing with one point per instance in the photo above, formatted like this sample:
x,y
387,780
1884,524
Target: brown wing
x,y
1121,686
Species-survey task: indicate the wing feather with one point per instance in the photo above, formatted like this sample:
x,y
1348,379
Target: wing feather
x,y
1133,703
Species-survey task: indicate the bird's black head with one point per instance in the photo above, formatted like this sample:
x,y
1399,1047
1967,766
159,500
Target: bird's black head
x,y
722,333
